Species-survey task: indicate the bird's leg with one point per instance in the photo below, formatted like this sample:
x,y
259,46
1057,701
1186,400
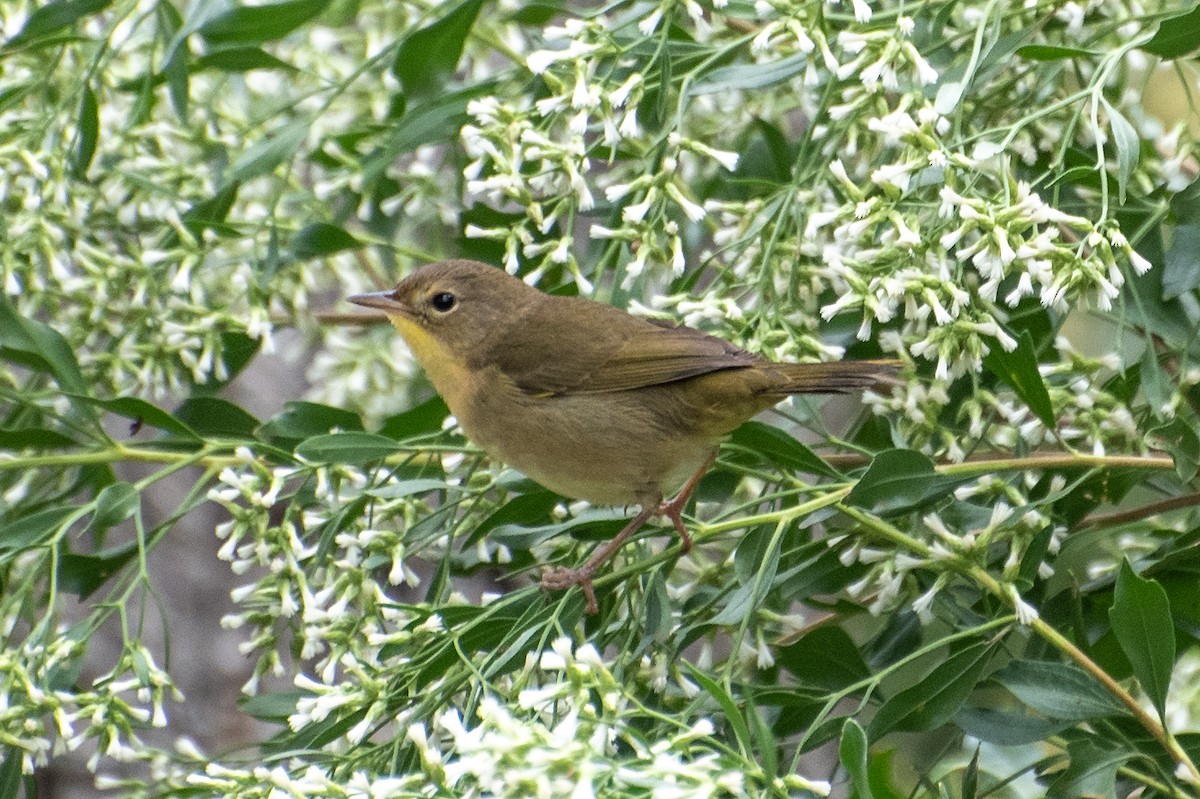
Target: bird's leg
x,y
559,578
674,508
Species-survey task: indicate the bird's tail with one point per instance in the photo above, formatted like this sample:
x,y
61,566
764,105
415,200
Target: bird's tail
x,y
835,377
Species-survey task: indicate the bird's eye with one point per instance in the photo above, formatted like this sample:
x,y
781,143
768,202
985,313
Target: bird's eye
x,y
443,301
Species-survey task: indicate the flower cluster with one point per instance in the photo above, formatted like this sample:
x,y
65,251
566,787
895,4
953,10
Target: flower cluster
x,y
312,569
1087,415
168,238
567,734
564,726
42,716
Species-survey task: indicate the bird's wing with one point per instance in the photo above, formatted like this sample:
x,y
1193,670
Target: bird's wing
x,y
595,348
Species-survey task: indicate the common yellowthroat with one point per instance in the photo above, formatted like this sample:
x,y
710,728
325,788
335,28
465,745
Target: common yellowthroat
x,y
586,399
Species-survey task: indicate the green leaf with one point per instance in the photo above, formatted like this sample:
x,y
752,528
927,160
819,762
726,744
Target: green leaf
x,y
83,574
300,420
1181,265
438,119
272,707
657,611
210,213
1141,621
34,438
1049,52
424,419
1019,369
143,412
320,239
258,24
55,16
1058,690
266,154
899,481
212,416
779,448
757,556
594,523
87,134
348,447
817,571
10,775
429,56
1179,437
1143,301
40,347
901,634
936,698
409,488
741,77
970,777
1177,36
340,521
530,508
740,729
240,59
826,657
766,746
853,752
536,12
1007,729
998,52
1129,147
114,504
1157,387
1092,772
175,73
737,606
33,529
237,351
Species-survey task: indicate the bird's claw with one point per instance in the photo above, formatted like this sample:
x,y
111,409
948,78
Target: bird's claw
x,y
559,578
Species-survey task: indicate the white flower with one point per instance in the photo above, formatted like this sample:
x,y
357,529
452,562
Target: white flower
x,y
648,25
926,74
636,212
540,60
923,605
1026,613
690,209
678,264
894,174
1140,264
619,95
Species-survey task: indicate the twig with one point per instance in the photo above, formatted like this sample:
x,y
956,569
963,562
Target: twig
x,y
1118,518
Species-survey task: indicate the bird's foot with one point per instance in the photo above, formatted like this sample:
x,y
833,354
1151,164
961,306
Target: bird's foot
x,y
673,510
560,578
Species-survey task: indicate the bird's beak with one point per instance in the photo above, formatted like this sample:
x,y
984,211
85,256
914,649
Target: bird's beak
x,y
387,301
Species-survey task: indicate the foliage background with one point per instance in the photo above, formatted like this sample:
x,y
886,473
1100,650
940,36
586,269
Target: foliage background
x,y
985,584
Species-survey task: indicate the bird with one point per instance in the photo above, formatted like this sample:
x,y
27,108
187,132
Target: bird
x,y
586,399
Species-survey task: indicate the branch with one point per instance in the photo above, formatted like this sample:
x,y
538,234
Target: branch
x,y
1118,518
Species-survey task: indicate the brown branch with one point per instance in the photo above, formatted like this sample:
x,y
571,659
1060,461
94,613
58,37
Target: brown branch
x,y
1118,518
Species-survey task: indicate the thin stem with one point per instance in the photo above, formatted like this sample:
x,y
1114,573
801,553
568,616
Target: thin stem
x,y
118,453
1001,591
1056,639
1137,514
1060,460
